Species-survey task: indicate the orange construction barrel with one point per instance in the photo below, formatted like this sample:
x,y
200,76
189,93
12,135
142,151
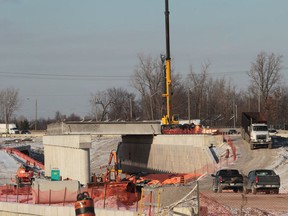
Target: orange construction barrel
x,y
182,180
84,206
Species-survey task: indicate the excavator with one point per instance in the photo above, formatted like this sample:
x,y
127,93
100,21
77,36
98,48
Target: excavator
x,y
24,175
112,171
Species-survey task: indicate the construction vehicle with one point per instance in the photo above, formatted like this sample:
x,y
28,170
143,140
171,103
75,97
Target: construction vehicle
x,y
8,129
168,119
170,122
112,171
255,130
24,176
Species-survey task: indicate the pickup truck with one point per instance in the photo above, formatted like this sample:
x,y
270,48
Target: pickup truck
x,y
227,179
262,180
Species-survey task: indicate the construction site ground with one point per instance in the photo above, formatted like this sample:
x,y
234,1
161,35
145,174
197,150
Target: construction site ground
x,y
226,203
246,160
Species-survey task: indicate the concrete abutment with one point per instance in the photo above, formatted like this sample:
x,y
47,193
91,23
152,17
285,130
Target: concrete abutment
x,y
166,153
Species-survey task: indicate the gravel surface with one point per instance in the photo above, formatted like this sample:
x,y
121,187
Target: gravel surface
x,y
260,204
8,168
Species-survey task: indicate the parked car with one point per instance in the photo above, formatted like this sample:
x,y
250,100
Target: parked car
x,y
232,131
227,179
272,132
262,180
25,132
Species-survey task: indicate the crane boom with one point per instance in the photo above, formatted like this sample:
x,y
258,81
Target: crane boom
x,y
168,118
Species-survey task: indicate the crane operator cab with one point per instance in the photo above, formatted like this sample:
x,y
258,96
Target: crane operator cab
x,y
167,121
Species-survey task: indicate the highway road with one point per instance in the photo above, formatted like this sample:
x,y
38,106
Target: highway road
x,y
259,204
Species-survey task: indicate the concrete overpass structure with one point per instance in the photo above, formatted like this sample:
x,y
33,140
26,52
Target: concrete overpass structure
x,y
143,149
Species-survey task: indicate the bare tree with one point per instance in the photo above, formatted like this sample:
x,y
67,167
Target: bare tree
x,y
73,117
122,104
113,104
265,76
148,79
282,116
9,103
101,98
59,117
197,84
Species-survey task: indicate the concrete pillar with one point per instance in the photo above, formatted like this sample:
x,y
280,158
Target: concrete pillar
x,y
70,154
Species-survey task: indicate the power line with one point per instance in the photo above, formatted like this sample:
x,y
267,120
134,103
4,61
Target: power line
x,y
230,72
85,77
61,76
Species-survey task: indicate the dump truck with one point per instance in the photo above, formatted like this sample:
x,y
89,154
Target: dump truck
x,y
254,130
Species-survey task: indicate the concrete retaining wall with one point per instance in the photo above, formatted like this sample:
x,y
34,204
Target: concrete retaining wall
x,y
166,153
17,209
45,192
70,154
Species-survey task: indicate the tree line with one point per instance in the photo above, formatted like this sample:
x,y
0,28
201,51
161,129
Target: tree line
x,y
216,102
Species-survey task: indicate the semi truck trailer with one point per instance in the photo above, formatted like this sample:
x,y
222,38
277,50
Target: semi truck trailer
x,y
8,129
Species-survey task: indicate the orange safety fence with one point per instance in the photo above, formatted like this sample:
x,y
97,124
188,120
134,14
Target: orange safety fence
x,y
28,159
188,129
28,194
232,146
110,196
170,179
114,195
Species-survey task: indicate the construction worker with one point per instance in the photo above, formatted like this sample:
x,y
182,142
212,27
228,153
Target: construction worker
x,y
227,153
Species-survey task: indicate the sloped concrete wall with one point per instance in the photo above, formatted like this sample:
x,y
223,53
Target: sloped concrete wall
x,y
166,153
70,154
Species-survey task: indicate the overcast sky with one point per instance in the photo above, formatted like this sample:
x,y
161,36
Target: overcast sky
x,y
60,51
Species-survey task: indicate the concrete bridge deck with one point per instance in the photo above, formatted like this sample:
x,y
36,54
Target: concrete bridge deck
x,y
106,128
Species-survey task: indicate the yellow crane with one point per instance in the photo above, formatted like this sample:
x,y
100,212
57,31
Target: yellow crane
x,y
168,118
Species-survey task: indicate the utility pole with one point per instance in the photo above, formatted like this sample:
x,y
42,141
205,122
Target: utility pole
x,y
131,108
96,111
259,100
234,117
36,110
6,120
189,118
